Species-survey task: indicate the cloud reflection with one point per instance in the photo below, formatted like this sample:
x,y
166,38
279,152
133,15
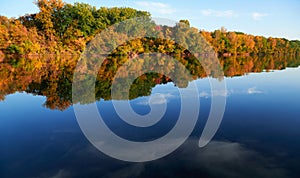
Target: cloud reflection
x,y
156,99
217,159
229,92
253,90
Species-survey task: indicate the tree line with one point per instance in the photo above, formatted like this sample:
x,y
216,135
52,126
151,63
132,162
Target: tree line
x,y
59,27
239,43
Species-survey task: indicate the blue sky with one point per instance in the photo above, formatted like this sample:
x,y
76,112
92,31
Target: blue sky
x,y
259,17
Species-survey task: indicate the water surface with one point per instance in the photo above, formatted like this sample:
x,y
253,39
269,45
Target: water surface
x,y
258,137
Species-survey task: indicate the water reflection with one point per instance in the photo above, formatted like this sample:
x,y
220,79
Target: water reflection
x,y
218,159
258,137
51,76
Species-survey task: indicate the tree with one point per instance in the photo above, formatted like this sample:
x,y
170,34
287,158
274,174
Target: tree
x,y
48,8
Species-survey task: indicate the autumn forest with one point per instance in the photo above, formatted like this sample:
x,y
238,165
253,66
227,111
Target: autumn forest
x,y
67,28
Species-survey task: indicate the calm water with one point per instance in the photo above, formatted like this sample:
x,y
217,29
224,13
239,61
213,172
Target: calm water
x,y
258,137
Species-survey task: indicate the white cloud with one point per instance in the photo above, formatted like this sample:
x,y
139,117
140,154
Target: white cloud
x,y
157,7
217,13
258,16
253,90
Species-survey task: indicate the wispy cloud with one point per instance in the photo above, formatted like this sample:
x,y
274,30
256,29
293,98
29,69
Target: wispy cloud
x,y
157,7
217,13
258,16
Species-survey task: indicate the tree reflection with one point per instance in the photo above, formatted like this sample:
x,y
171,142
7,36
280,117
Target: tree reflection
x,y
52,76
